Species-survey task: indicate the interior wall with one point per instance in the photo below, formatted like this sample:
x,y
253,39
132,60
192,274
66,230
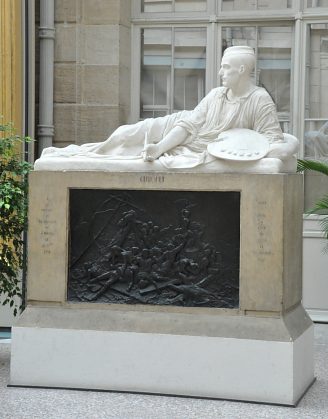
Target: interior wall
x,y
92,69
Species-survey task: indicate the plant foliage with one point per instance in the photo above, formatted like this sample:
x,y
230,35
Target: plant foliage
x,y
315,165
320,206
13,212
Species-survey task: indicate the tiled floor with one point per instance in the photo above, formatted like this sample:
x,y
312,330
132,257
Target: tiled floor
x,y
19,403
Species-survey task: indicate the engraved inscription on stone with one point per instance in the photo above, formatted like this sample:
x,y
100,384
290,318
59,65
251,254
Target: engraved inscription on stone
x,y
264,244
154,247
152,179
47,225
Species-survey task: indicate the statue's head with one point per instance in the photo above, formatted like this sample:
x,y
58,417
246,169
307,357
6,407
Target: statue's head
x,y
237,64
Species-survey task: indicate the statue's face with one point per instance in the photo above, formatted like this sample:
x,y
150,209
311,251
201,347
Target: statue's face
x,y
230,71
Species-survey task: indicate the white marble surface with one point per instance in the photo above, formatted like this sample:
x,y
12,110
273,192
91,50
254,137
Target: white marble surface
x,y
199,366
27,403
240,145
268,165
180,140
209,354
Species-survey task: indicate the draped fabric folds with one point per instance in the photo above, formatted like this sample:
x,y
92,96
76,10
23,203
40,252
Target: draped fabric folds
x,y
214,115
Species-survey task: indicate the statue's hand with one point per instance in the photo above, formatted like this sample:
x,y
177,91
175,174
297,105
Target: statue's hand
x,y
151,152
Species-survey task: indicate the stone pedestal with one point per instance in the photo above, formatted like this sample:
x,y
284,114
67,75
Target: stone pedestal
x,y
260,351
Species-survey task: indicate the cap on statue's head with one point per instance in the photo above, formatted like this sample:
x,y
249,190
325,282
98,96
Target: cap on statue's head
x,y
239,50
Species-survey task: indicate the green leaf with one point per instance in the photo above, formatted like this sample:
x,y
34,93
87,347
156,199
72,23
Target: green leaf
x,y
314,165
13,212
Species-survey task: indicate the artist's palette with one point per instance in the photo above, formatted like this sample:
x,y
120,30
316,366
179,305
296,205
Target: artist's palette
x,y
239,144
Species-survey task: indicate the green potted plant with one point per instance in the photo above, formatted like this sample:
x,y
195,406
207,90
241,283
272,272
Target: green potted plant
x,y
13,213
321,205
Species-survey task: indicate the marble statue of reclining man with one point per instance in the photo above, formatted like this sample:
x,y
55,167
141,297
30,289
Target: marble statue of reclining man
x,y
180,140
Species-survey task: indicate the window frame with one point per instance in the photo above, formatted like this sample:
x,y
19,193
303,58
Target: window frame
x,y
298,17
315,9
137,14
214,12
306,23
267,23
136,61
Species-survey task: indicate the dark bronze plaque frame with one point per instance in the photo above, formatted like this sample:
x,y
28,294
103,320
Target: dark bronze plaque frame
x,y
154,247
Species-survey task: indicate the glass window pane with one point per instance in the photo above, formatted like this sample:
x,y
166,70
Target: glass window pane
x,y
186,92
149,6
272,46
237,5
172,76
155,70
159,6
189,67
239,35
274,66
152,114
316,106
154,87
190,5
316,111
317,3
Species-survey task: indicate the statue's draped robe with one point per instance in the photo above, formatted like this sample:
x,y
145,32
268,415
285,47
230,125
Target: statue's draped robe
x,y
213,115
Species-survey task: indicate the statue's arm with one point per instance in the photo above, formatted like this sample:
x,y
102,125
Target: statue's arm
x,y
266,120
173,139
178,135
267,123
196,119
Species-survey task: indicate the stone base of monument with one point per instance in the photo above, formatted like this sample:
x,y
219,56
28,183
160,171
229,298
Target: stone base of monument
x,y
268,360
166,283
